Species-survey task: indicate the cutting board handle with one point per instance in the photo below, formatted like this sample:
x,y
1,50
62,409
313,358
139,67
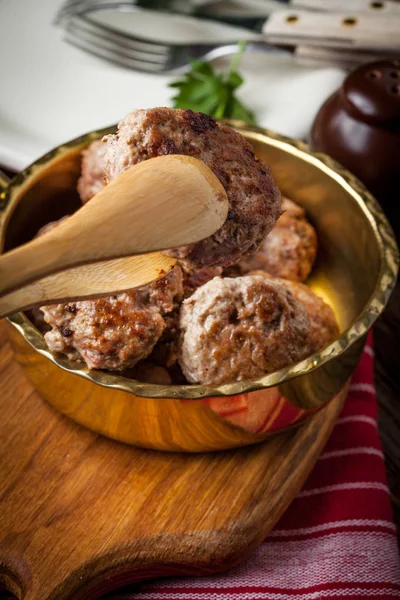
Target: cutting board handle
x,y
95,578
138,561
15,575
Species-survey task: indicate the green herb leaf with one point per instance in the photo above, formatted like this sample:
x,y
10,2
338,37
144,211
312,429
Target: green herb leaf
x,y
202,89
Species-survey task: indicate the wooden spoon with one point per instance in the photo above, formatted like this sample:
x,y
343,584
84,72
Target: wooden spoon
x,y
161,203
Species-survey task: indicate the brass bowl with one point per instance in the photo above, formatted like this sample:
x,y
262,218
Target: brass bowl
x,y
355,272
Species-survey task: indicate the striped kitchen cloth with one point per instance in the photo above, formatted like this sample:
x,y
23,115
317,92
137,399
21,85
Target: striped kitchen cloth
x,y
337,539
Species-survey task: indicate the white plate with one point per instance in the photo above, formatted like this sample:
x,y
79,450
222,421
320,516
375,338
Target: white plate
x,y
52,92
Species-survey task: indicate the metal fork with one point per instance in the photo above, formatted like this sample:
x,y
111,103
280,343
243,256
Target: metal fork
x,y
146,55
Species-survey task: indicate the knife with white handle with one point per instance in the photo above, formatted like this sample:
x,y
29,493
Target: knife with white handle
x,y
377,8
340,30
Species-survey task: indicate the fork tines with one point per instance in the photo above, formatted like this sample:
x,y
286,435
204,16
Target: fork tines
x,y
126,51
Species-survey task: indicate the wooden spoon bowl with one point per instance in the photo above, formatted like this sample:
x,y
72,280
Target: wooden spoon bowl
x,y
161,203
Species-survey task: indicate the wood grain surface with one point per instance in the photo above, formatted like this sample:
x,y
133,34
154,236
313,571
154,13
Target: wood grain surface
x,y
81,515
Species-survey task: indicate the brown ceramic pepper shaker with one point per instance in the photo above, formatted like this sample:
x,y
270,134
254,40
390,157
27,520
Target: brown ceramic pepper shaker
x,y
359,126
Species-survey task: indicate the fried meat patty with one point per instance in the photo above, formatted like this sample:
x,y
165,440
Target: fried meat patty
x,y
254,199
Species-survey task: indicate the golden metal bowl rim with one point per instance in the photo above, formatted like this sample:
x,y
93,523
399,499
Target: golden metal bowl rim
x,y
385,282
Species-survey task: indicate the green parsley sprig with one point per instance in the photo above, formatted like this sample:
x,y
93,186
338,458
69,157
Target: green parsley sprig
x,y
204,90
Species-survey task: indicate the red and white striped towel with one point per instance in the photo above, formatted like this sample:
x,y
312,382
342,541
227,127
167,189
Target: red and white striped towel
x,y
336,540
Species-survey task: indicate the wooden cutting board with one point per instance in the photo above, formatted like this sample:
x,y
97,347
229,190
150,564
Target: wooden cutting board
x,y
81,515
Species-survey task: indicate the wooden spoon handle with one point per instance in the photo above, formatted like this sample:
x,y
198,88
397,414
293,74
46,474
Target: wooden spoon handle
x,y
161,203
90,281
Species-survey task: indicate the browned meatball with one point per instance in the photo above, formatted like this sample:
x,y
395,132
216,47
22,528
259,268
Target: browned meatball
x,y
166,350
164,294
92,179
195,278
254,199
107,333
323,325
234,329
116,332
289,251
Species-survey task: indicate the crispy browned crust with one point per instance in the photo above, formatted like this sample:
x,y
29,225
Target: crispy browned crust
x,y
289,251
254,199
235,329
115,332
324,327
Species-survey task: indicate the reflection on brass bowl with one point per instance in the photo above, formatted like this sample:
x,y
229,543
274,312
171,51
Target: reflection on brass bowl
x,y
355,272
